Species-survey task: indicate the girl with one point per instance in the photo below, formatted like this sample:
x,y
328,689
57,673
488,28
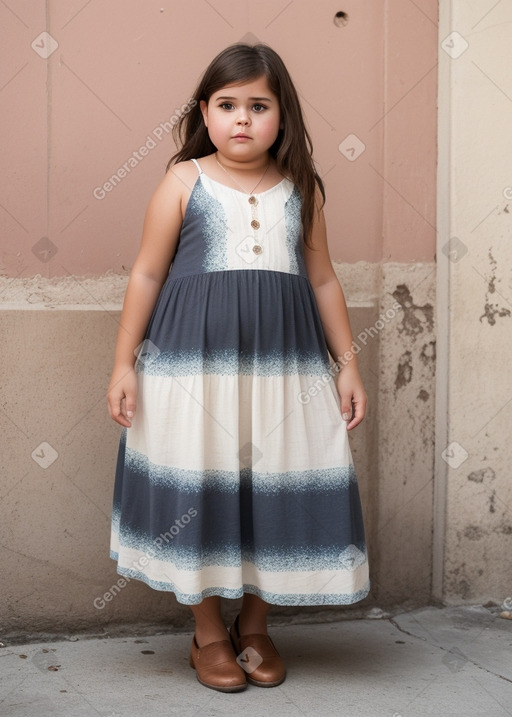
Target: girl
x,y
234,475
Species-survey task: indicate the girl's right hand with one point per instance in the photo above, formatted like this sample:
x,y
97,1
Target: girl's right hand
x,y
122,395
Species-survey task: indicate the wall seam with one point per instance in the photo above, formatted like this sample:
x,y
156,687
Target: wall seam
x,y
48,132
378,592
443,323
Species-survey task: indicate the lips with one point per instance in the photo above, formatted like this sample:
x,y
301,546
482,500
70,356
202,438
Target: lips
x,y
241,134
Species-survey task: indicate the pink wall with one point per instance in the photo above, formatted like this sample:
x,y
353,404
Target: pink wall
x,y
122,68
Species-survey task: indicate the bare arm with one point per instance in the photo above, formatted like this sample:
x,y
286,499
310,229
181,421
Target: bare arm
x,y
335,322
160,235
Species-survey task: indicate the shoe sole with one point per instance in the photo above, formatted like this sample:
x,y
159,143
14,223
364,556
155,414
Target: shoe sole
x,y
233,688
228,688
265,684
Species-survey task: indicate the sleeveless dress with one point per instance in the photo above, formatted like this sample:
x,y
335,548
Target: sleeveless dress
x,y
236,474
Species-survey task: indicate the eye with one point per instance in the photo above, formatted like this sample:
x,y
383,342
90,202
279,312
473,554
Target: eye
x,y
259,108
226,105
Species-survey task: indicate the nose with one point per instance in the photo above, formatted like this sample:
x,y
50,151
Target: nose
x,y
243,118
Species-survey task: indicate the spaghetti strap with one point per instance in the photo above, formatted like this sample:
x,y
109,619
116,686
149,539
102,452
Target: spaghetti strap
x,y
197,165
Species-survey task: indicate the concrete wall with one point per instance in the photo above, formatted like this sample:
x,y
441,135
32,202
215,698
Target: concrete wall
x,y
66,255
473,528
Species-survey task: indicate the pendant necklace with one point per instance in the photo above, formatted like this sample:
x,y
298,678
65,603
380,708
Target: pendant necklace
x,y
253,201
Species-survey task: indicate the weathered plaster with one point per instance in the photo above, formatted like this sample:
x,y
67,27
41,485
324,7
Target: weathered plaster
x,y
475,302
56,519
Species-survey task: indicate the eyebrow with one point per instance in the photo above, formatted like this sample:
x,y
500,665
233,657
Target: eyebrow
x,y
266,99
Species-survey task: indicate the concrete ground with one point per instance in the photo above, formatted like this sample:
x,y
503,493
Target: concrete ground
x,y
428,661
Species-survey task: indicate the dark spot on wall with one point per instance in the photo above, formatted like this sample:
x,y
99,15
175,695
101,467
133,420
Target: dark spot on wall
x,y
474,532
428,353
492,310
492,501
486,474
458,582
428,442
340,18
415,317
404,370
491,287
464,589
423,395
504,529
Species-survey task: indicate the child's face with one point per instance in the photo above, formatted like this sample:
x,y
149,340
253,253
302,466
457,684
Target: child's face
x,y
250,109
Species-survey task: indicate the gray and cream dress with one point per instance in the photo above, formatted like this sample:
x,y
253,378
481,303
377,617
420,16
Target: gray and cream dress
x,y
236,474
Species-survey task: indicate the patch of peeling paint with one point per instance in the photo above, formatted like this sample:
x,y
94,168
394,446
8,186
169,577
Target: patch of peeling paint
x,y
484,474
493,310
415,318
474,532
404,370
428,353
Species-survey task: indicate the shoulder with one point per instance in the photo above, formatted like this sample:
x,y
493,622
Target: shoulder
x,y
175,188
182,174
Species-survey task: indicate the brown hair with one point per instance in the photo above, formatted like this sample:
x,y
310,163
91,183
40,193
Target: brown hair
x,y
292,150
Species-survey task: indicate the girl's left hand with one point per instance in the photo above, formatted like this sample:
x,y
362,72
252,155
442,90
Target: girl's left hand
x,y
352,395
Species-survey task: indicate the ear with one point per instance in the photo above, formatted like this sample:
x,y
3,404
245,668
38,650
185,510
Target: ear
x,y
204,110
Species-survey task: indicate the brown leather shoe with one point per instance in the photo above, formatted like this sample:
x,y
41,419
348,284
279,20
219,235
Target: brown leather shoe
x,y
258,656
216,666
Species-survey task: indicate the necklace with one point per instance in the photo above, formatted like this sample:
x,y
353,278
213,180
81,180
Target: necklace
x,y
253,201
252,198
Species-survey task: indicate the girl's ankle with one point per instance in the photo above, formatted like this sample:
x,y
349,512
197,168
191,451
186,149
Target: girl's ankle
x,y
249,625
206,636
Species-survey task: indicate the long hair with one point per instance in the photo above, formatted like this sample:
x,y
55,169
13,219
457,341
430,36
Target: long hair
x,y
292,149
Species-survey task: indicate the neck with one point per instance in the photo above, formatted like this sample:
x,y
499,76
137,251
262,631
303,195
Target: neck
x,y
255,165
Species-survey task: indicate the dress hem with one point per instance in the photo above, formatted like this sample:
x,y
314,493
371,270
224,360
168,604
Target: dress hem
x,y
283,599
